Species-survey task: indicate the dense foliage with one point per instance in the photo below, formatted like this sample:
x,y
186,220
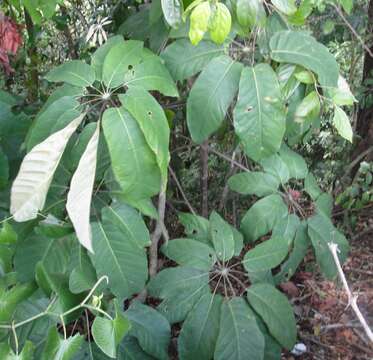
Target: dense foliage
x,y
90,165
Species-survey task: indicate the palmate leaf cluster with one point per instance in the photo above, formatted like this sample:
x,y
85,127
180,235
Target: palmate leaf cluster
x,y
82,177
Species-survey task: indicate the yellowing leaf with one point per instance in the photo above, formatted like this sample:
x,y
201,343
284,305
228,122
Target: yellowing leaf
x,y
31,185
79,197
220,25
199,20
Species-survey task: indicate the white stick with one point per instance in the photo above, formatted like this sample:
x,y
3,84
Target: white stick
x,y
351,298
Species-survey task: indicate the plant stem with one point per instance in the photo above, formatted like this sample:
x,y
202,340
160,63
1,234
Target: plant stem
x,y
204,178
158,231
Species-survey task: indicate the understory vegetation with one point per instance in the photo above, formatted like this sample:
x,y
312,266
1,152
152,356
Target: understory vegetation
x,y
168,169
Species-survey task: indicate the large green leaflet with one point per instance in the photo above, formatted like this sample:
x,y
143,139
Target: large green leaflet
x,y
262,216
151,74
299,48
134,164
275,310
99,55
210,97
189,252
259,115
266,255
200,329
194,58
239,337
222,237
74,72
254,183
322,232
152,122
180,288
53,118
118,255
120,59
150,328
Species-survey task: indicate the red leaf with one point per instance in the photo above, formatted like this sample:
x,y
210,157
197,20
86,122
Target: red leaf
x,y
10,40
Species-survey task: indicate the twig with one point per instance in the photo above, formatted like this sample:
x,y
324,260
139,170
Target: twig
x,y
358,37
231,172
227,158
181,191
204,178
351,298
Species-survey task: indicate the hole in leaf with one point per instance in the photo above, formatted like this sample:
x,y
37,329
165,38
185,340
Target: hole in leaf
x,y
130,67
249,108
150,113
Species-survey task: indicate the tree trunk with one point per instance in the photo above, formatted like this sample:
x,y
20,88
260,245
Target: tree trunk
x,y
364,125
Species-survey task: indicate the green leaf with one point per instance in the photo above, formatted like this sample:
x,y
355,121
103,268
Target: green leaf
x,y
172,10
133,163
119,60
129,349
57,348
250,13
200,329
152,122
99,55
151,75
54,253
27,353
311,187
7,234
4,169
150,328
180,288
309,106
285,6
276,166
274,308
299,251
74,72
302,49
342,123
262,217
189,252
266,255
222,237
238,241
117,254
287,227
58,284
304,76
324,204
194,58
54,118
107,334
322,232
196,227
342,95
210,97
60,92
11,298
199,21
220,24
83,275
259,115
239,337
254,183
295,163
347,5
